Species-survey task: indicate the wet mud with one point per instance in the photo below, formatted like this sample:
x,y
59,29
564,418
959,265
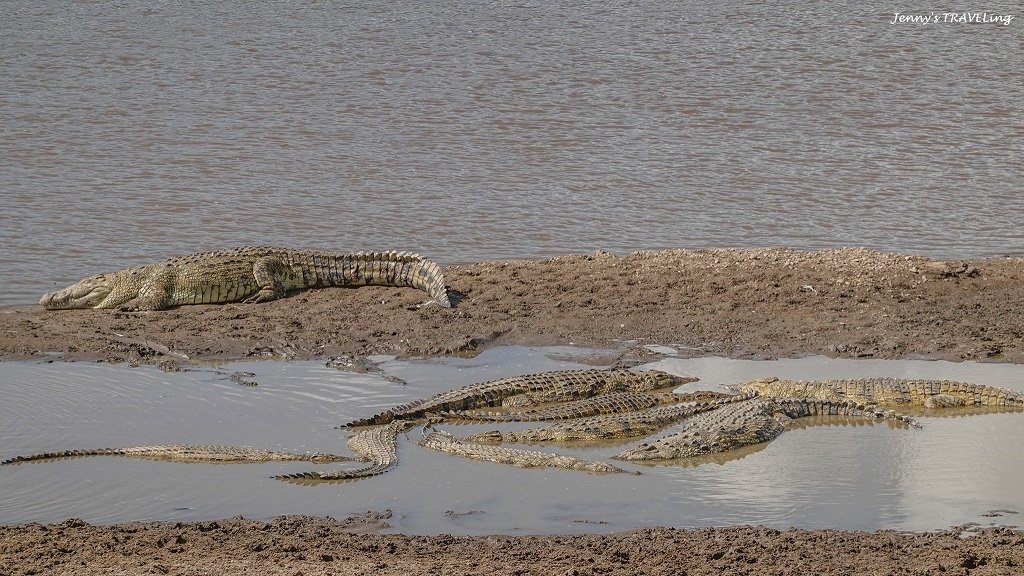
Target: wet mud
x,y
762,303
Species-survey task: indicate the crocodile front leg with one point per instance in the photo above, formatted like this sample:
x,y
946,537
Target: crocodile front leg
x,y
154,293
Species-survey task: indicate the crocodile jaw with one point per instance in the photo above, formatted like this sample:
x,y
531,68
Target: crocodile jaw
x,y
86,293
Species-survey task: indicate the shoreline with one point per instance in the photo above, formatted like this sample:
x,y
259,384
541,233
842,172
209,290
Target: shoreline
x,y
744,303
307,545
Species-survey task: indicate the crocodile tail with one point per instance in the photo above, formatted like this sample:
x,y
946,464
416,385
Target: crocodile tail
x,y
391,268
62,454
426,275
335,476
378,419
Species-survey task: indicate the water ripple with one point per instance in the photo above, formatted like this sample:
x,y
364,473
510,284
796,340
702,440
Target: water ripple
x,y
152,131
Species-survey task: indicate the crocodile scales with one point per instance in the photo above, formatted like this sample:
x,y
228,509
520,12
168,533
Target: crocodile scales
x,y
615,403
247,274
186,453
889,392
379,445
530,389
445,442
740,424
719,425
606,426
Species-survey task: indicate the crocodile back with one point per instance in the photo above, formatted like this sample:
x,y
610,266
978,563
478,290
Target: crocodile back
x,y
445,442
892,392
731,426
526,390
607,426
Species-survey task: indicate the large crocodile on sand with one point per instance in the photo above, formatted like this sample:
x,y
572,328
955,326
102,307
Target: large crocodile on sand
x,y
758,420
248,274
529,390
893,392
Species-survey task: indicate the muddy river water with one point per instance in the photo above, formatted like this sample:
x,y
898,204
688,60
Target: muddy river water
x,y
134,132
834,474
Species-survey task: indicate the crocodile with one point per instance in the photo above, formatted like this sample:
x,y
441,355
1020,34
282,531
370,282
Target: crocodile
x,y
606,426
249,274
615,403
530,389
617,398
185,453
758,420
893,392
379,445
445,442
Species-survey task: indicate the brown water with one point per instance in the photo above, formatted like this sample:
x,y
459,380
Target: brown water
x,y
846,474
130,132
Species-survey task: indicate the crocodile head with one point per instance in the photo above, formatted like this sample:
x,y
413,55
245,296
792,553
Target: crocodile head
x,y
86,293
666,380
109,290
757,386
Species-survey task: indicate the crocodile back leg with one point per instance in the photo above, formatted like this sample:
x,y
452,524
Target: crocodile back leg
x,y
270,274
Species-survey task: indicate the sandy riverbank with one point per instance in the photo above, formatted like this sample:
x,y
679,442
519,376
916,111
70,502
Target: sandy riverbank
x,y
744,303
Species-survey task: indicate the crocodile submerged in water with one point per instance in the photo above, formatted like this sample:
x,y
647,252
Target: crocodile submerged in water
x,y
892,392
248,274
530,390
615,403
606,426
709,422
379,445
755,421
445,442
186,453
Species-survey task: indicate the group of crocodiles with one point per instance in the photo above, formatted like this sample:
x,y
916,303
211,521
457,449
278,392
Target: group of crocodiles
x,y
583,406
595,405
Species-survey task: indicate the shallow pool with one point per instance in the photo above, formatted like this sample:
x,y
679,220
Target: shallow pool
x,y
836,474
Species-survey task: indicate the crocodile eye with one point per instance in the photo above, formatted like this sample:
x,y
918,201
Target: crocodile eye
x,y
91,290
92,285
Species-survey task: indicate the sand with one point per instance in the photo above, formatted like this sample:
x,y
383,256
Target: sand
x,y
763,303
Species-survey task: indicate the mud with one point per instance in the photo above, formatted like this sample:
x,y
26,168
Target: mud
x,y
740,303
320,546
760,303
